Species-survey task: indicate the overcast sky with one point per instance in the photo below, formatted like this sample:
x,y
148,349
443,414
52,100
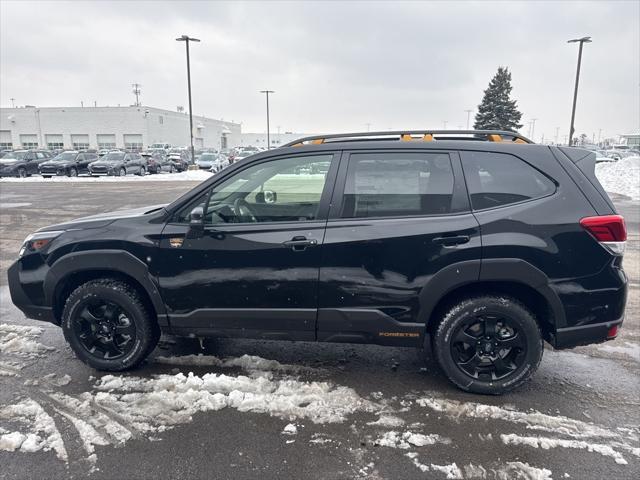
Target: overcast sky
x,y
335,66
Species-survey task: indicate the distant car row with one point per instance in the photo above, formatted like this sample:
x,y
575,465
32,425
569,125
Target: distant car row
x,y
71,163
157,159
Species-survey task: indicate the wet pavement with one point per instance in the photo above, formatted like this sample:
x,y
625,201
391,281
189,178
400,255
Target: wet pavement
x,y
319,411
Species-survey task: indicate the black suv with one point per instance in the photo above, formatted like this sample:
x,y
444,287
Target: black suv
x,y
22,163
477,244
70,163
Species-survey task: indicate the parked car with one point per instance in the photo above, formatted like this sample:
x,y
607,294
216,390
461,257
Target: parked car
x,y
22,163
161,145
119,164
178,161
477,249
70,163
601,156
207,160
157,162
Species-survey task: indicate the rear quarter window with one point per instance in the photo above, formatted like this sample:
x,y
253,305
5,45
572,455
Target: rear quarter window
x,y
497,179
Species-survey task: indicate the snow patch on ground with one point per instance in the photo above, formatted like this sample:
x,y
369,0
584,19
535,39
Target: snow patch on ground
x,y
290,429
509,471
546,443
42,433
405,440
621,177
533,420
246,362
387,421
187,176
21,340
627,348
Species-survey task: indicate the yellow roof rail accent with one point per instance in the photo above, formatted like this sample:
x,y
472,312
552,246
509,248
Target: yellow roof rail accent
x,y
299,144
494,138
427,137
406,137
317,141
519,140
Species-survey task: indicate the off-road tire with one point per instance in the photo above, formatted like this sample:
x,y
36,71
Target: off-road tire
x,y
128,298
500,305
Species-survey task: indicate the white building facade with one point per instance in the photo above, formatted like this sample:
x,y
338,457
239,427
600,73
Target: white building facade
x,y
110,127
276,139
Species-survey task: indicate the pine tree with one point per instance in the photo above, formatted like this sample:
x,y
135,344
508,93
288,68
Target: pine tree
x,y
497,111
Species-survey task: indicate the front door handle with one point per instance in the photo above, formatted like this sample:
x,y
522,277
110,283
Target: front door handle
x,y
451,241
298,244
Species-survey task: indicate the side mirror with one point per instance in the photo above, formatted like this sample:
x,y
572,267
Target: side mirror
x,y
266,196
196,217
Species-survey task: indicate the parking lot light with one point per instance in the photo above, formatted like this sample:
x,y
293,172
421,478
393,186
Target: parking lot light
x,y
186,39
267,92
582,41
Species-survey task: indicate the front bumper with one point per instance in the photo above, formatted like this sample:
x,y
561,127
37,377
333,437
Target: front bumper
x,y
23,296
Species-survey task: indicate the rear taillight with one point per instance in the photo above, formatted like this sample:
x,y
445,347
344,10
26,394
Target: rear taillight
x,y
609,230
612,332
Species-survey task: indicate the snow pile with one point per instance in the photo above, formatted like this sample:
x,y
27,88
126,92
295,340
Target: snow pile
x,y
246,362
21,340
406,439
166,400
42,432
186,176
621,177
290,429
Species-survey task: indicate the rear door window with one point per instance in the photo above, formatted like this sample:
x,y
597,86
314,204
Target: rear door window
x,y
398,184
497,179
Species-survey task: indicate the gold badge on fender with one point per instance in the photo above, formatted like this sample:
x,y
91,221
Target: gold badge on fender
x,y
176,242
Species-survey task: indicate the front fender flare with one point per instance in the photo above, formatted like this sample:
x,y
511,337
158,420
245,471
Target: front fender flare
x,y
117,261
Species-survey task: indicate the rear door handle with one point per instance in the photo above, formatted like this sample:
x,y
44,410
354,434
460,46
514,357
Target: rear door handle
x,y
451,241
298,244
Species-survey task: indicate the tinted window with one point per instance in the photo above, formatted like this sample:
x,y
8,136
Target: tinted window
x,y
496,179
398,184
282,190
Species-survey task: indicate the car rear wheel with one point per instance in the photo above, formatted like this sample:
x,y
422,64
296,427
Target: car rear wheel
x,y
488,344
72,172
22,173
108,326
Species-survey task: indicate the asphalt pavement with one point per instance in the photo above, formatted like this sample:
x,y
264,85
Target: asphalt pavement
x,y
320,411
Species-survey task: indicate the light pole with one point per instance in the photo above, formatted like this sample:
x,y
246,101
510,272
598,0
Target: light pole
x,y
582,41
468,117
267,92
533,127
186,39
444,122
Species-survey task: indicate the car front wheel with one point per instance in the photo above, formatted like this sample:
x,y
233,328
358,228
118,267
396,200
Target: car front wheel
x,y
488,344
22,173
108,326
122,172
72,172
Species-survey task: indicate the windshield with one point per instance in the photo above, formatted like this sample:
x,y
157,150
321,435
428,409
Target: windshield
x,y
113,157
65,157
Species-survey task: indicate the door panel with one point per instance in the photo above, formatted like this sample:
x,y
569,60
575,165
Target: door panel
x,y
245,274
375,269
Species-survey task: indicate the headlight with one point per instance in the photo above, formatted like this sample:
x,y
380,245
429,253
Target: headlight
x,y
37,242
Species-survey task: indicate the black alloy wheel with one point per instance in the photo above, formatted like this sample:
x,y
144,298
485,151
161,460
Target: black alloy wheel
x,y
488,347
104,329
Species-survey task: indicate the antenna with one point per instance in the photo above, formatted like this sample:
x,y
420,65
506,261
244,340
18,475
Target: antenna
x,y
136,91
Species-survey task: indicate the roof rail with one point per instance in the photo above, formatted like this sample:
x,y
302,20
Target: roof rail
x,y
414,135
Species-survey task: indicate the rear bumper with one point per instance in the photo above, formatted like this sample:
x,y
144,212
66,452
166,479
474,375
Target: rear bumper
x,y
23,300
583,335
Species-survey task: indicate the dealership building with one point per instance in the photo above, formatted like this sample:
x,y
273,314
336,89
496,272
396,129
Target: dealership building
x,y
134,127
